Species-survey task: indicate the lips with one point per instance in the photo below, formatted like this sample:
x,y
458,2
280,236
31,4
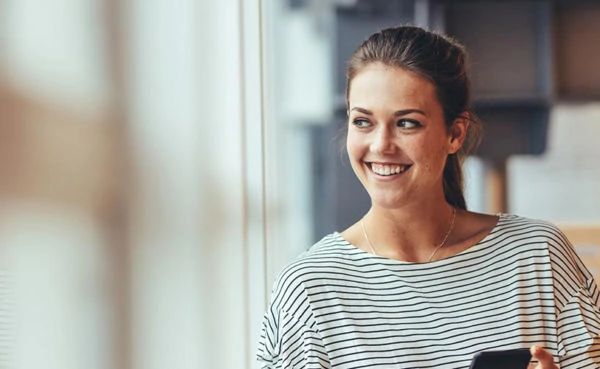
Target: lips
x,y
385,169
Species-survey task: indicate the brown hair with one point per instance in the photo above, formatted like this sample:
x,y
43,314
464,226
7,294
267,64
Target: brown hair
x,y
442,61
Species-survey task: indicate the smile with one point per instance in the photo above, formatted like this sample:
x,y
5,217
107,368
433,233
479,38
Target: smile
x,y
387,169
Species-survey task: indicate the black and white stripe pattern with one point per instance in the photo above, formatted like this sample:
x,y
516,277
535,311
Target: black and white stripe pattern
x,y
340,307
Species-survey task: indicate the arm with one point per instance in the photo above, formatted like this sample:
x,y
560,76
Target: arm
x,y
578,308
288,343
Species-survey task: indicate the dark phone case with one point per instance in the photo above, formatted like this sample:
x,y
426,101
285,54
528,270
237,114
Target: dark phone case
x,y
501,359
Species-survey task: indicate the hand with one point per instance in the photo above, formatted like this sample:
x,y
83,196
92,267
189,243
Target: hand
x,y
544,358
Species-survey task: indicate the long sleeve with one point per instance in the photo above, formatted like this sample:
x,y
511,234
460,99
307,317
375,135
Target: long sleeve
x,y
286,342
578,328
578,308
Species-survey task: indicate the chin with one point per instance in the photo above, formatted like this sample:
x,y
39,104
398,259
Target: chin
x,y
388,201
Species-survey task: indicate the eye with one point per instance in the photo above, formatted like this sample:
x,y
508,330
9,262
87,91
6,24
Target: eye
x,y
361,123
408,124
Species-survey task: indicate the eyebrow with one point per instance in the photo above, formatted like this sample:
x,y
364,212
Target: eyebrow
x,y
398,113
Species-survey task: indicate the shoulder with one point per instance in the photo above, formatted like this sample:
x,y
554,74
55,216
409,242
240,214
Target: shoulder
x,y
565,262
507,230
321,258
330,248
532,238
516,226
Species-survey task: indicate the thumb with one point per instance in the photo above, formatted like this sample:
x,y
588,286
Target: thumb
x,y
544,358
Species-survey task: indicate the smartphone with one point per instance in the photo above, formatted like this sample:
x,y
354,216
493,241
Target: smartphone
x,y
501,359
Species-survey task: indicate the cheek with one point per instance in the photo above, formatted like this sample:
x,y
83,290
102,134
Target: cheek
x,y
431,156
356,150
353,145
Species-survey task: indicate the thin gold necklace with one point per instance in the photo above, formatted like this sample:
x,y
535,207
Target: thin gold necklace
x,y
442,244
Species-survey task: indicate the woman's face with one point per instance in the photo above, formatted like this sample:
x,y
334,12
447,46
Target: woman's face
x,y
397,139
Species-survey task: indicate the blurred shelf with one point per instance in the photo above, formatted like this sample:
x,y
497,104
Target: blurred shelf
x,y
482,102
577,50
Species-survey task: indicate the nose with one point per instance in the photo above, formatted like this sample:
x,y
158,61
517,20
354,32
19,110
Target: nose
x,y
383,141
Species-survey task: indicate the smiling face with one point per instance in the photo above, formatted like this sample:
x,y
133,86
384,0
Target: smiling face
x,y
397,139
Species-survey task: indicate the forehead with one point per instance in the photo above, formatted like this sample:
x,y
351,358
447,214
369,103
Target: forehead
x,y
378,84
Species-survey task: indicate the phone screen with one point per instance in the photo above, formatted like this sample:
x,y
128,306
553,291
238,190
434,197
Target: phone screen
x,y
502,359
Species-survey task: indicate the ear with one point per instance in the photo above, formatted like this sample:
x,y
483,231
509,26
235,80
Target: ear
x,y
458,132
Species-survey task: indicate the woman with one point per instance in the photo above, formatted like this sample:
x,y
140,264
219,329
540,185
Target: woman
x,y
419,281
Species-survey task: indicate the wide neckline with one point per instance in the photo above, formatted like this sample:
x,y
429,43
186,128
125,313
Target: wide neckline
x,y
501,218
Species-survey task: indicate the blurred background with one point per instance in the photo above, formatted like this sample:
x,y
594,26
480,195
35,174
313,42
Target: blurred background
x,y
161,161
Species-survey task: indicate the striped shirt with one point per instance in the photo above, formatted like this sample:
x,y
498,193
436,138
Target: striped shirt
x,y
337,306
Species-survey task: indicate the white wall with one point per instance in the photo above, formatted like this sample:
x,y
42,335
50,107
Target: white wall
x,y
195,193
197,213
55,50
55,302
563,185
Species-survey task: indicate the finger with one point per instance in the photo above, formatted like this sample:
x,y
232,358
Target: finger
x,y
544,358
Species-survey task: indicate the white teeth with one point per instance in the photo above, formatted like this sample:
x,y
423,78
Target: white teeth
x,y
386,170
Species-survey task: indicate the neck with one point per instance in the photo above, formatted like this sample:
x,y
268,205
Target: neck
x,y
409,235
